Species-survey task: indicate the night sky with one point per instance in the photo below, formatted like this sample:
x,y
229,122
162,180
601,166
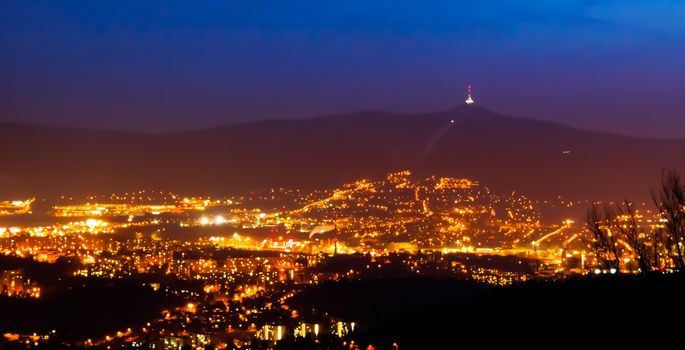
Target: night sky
x,y
154,66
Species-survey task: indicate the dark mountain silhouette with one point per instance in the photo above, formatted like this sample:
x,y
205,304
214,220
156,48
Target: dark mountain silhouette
x,y
539,158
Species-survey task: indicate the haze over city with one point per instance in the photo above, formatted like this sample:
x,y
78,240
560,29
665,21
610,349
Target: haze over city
x,y
342,175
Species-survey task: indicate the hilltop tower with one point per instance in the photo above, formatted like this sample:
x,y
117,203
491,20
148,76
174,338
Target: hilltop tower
x,y
469,100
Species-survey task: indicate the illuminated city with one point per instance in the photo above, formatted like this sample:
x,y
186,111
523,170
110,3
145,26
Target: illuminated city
x,y
231,264
341,175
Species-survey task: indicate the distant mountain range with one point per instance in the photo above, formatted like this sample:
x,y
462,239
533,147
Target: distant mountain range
x,y
541,159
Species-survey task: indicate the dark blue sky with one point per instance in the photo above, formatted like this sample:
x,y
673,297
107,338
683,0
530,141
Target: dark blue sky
x,y
146,65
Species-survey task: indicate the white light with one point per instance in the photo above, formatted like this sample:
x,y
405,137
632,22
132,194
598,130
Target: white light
x,y
598,271
91,223
219,220
613,271
204,221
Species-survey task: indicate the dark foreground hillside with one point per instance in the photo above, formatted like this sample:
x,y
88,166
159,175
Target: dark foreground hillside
x,y
444,314
90,310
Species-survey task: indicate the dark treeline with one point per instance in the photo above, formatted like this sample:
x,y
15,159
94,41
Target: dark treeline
x,y
43,273
90,308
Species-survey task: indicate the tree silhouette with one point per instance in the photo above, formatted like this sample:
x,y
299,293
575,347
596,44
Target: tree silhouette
x,y
616,227
630,231
604,243
670,200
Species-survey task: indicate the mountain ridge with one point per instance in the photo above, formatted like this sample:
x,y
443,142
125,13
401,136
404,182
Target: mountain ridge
x,y
12,123
539,158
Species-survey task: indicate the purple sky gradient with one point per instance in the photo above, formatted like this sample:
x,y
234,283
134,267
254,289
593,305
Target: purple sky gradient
x,y
154,66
